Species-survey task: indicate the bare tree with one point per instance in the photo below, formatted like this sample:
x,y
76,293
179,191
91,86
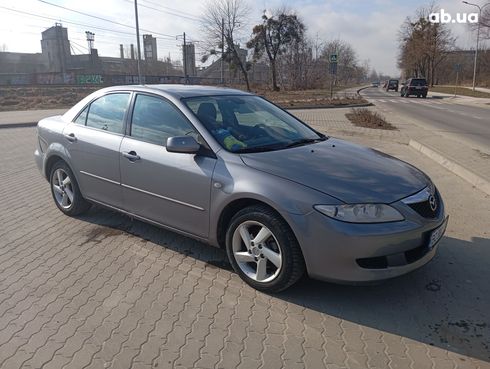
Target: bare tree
x,y
423,45
226,20
484,24
274,36
348,65
297,65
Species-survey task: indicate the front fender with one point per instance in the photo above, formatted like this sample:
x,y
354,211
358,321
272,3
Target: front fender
x,y
234,181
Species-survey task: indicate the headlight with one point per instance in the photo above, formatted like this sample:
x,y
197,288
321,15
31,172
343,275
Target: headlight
x,y
361,213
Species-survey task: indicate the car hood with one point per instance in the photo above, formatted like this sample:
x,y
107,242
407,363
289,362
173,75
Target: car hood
x,y
349,172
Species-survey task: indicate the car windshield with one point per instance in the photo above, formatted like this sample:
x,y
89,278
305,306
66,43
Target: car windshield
x,y
250,124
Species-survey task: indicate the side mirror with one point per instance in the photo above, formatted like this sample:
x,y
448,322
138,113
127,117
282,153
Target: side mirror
x,y
183,144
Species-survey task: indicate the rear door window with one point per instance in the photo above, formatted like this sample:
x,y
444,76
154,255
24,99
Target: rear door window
x,y
107,112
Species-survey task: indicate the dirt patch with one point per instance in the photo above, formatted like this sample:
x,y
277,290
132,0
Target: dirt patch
x,y
366,118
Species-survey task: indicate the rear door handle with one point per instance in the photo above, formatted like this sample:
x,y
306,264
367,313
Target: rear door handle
x,y
131,155
70,137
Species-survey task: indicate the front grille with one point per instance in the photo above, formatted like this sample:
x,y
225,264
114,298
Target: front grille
x,y
423,208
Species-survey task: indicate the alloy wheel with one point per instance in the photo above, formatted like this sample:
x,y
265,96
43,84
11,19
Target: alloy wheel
x,y
62,188
257,251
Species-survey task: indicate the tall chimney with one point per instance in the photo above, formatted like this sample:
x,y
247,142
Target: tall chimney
x,y
132,51
121,51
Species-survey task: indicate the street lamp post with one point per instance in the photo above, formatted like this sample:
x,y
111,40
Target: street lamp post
x,y
480,8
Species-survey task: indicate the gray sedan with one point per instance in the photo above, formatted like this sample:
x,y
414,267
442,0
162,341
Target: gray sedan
x,y
233,170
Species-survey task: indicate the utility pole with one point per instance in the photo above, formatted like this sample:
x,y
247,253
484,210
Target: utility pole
x,y
138,40
456,86
185,61
222,47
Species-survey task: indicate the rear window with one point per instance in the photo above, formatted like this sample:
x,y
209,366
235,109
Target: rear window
x,y
418,82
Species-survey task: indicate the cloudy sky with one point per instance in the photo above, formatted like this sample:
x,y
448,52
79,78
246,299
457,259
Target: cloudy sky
x,y
370,26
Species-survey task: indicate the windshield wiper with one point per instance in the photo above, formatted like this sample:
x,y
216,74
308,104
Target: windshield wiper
x,y
305,141
261,148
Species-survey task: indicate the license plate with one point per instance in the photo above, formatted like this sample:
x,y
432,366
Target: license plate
x,y
437,234
418,88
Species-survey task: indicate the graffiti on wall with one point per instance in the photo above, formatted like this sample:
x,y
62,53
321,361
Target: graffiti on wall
x,y
89,79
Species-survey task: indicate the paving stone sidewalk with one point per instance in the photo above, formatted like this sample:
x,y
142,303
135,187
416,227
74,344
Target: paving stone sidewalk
x,y
103,291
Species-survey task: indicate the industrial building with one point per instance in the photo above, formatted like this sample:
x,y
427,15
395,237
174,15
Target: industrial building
x,y
56,64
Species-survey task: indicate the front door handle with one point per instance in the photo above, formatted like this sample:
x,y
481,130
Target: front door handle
x,y
70,137
131,155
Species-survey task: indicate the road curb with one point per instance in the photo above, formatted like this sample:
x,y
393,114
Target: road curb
x,y
362,88
327,106
18,125
474,179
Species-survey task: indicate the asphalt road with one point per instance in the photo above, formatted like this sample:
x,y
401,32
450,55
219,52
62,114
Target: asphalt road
x,y
470,123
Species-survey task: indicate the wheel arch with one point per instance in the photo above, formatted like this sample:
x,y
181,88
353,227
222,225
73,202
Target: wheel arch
x,y
232,208
50,162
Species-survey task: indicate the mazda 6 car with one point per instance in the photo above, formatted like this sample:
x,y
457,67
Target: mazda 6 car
x,y
233,170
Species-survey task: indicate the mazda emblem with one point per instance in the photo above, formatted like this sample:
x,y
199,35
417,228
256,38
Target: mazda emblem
x,y
432,203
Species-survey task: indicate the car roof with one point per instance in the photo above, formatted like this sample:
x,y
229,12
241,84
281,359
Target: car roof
x,y
180,91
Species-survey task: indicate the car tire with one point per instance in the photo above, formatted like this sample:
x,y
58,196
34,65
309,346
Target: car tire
x,y
424,96
65,191
272,248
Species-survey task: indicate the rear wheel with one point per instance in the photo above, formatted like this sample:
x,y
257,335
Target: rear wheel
x,y
263,250
65,190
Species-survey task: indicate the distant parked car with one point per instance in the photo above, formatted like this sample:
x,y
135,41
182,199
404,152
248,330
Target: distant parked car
x,y
231,169
415,86
392,84
375,84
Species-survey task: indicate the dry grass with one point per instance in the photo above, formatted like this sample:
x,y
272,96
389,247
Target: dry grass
x,y
366,118
41,97
462,91
50,97
311,98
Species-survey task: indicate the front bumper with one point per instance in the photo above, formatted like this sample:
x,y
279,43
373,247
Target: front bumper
x,y
349,253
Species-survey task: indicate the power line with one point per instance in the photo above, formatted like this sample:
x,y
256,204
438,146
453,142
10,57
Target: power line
x,y
192,18
65,21
171,9
102,19
127,34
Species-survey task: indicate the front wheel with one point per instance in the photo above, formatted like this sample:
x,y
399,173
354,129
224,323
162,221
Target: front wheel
x,y
263,250
65,190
